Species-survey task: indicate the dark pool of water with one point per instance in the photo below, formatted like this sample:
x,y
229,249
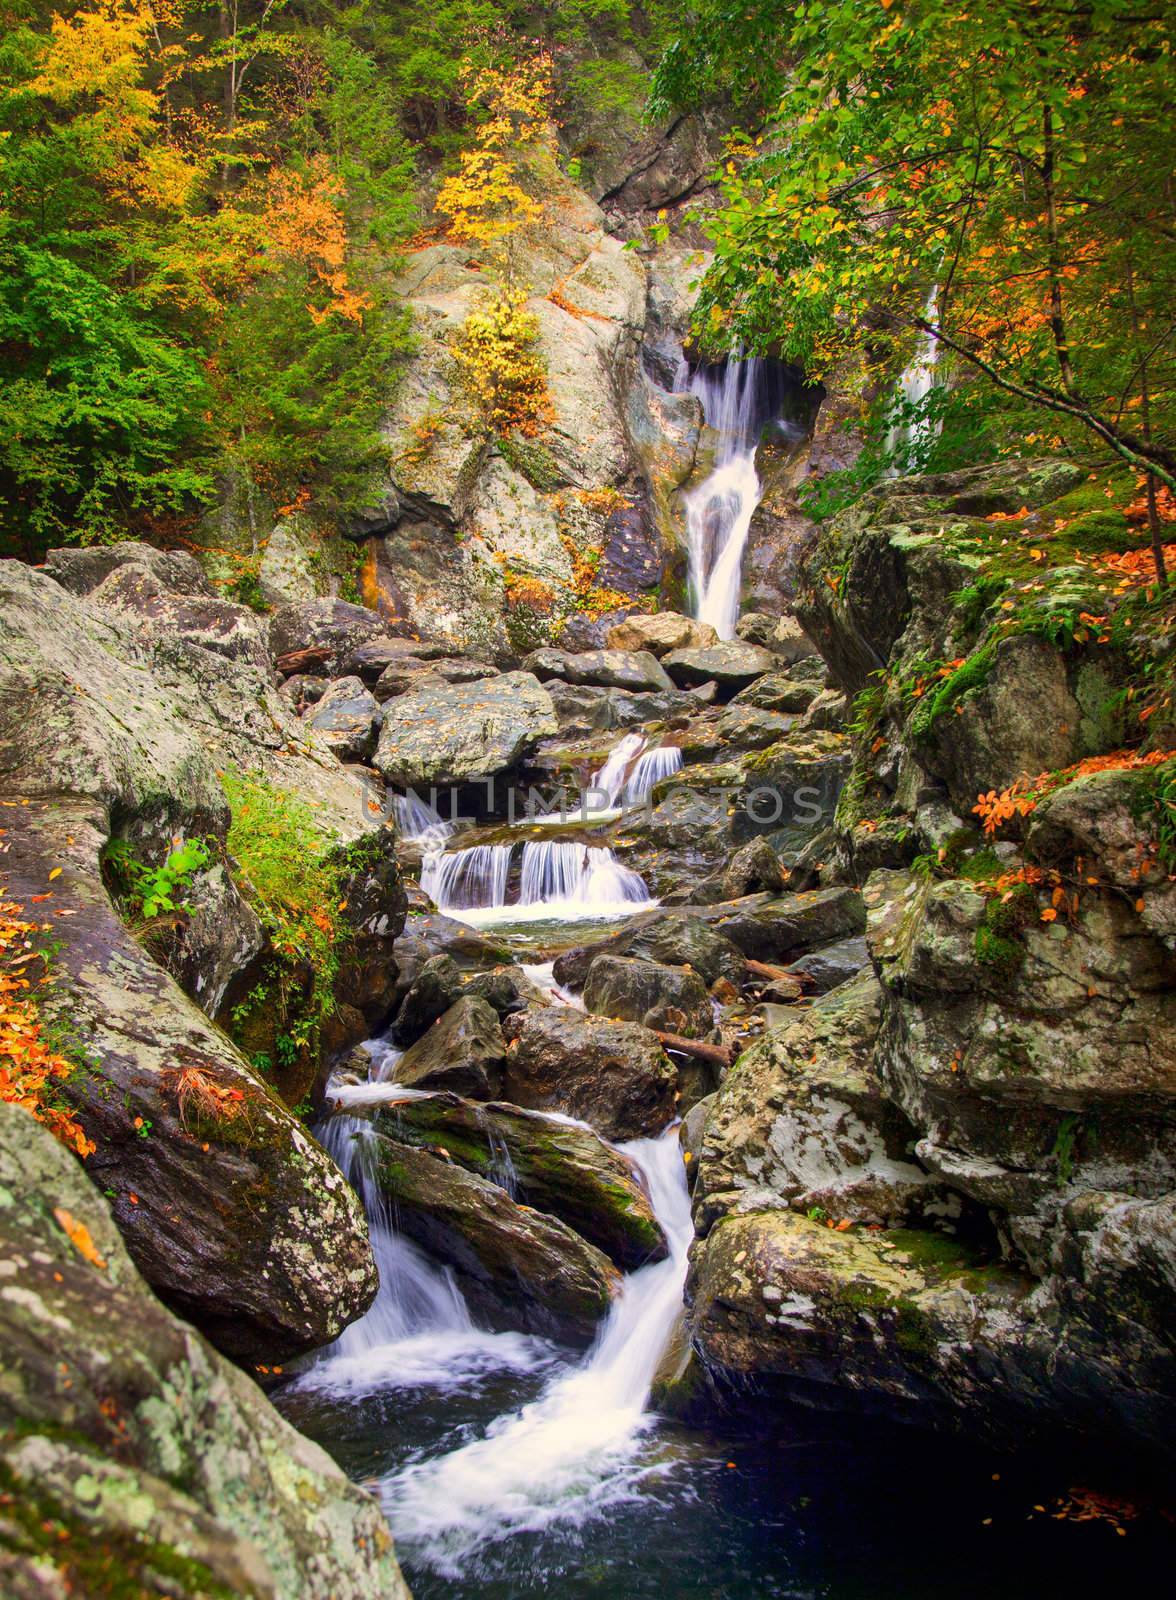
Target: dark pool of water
x,y
813,1507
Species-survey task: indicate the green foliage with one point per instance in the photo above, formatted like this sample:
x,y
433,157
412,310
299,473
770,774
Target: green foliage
x,y
153,891
1064,1147
997,951
288,869
1018,162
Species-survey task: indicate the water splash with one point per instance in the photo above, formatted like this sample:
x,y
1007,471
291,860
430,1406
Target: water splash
x,y
610,780
470,879
578,1448
648,771
557,878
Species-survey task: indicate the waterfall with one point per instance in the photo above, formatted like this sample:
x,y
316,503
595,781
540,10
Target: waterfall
x,y
576,1449
719,510
915,428
417,819
467,879
557,878
610,780
418,1331
649,770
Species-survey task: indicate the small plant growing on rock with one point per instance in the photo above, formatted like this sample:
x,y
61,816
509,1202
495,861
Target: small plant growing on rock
x,y
155,891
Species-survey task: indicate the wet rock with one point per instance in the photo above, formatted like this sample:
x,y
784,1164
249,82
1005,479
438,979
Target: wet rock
x,y
777,929
126,1424
661,632
613,1075
459,733
556,1168
829,710
754,865
673,999
732,664
516,1267
833,963
347,717
463,1051
632,670
434,984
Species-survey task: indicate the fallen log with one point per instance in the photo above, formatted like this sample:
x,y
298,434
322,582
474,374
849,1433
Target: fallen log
x,y
720,1054
303,660
762,969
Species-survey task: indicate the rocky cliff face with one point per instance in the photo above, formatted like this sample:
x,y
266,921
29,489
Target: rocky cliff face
x,y
947,1189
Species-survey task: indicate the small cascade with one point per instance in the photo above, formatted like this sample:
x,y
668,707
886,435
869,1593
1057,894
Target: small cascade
x,y
575,1451
417,819
649,769
466,880
565,873
916,383
557,878
610,780
719,510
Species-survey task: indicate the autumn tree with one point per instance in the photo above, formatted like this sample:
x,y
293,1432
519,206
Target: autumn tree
x,y
1015,155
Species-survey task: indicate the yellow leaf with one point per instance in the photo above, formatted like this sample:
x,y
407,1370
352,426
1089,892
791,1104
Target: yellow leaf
x,y
56,873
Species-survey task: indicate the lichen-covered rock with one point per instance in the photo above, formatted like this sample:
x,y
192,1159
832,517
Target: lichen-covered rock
x,y
802,1121
459,733
673,937
553,1166
347,716
634,670
239,1220
131,1454
755,865
515,1266
286,575
463,1051
137,592
911,1323
333,626
80,569
732,664
778,693
632,990
614,1075
778,928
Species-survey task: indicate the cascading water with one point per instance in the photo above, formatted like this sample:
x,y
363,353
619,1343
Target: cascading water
x,y
577,1448
608,783
649,769
557,878
918,379
719,510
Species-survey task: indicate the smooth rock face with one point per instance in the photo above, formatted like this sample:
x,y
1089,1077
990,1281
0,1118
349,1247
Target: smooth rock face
x,y
731,664
661,632
634,670
613,1075
154,1453
515,1267
564,1170
458,733
463,1051
670,998
347,717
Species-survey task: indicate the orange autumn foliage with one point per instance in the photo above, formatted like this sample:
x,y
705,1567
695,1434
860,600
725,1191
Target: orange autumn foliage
x,y
1022,797
28,1062
303,222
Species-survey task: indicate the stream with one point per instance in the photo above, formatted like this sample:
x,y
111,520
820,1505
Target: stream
x,y
511,1467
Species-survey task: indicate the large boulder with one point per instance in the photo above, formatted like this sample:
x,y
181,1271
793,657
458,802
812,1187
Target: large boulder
x,y
515,1267
460,733
140,594
463,1051
135,1458
229,1208
634,670
775,929
632,990
333,627
662,935
546,1163
661,632
347,717
613,1075
80,569
732,664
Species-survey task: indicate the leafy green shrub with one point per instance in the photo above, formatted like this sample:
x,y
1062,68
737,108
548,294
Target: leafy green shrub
x,y
153,891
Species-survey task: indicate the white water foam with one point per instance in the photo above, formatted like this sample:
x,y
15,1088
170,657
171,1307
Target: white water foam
x,y
559,879
578,1447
